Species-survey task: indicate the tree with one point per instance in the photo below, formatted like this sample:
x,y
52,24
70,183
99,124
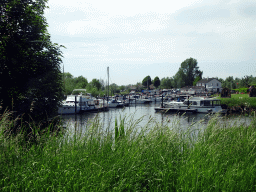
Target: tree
x,y
29,61
188,72
80,82
68,75
245,81
179,80
69,83
122,88
96,83
166,83
198,78
229,83
156,82
113,88
146,81
139,87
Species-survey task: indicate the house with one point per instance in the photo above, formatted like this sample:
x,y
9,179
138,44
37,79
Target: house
x,y
210,84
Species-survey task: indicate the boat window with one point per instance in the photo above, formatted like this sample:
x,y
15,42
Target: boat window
x,y
186,103
201,103
194,103
207,103
216,103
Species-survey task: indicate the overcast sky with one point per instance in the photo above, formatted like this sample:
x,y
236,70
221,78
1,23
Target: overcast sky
x,y
137,38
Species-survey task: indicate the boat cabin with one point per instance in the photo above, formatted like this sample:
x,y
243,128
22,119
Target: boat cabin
x,y
200,101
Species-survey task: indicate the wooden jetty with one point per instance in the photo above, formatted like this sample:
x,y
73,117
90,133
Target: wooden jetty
x,y
176,109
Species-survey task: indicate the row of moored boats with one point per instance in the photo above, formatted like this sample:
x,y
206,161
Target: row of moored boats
x,y
84,102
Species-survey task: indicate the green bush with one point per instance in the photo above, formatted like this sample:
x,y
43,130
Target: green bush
x,y
243,90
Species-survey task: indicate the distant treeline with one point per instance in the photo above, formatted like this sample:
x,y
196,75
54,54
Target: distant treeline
x,y
99,87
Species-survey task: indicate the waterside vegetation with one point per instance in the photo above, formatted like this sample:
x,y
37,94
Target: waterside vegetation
x,y
240,102
126,157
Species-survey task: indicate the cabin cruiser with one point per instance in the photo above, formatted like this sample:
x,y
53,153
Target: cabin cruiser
x,y
137,100
77,103
156,99
200,104
115,103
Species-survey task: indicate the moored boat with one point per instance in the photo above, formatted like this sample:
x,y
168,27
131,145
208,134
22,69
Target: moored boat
x,y
115,103
77,103
197,104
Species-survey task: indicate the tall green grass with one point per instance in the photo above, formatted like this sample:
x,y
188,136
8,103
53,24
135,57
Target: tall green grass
x,y
127,157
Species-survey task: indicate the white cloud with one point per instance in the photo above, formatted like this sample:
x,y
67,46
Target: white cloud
x,y
145,32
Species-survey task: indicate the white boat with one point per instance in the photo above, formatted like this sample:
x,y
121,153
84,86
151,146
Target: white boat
x,y
173,104
83,103
200,104
115,103
137,100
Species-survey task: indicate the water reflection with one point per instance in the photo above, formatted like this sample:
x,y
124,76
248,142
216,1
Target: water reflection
x,y
106,119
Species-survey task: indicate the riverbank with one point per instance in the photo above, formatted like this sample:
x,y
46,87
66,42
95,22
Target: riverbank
x,y
158,158
239,103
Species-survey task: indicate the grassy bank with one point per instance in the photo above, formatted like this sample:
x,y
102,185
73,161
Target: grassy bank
x,y
239,101
159,158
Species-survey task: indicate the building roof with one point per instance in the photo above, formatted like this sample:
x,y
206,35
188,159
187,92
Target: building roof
x,y
192,87
206,80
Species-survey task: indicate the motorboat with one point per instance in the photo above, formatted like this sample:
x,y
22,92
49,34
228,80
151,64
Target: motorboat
x,y
199,104
115,103
156,99
138,100
77,103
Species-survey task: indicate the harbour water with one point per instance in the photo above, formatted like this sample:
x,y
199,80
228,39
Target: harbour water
x,y
145,113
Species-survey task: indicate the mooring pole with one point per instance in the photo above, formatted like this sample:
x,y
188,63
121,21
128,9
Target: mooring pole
x,y
75,104
162,101
108,84
80,103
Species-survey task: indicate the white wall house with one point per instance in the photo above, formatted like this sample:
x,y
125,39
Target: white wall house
x,y
192,90
210,84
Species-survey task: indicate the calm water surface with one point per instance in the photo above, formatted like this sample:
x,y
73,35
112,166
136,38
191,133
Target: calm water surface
x,y
146,112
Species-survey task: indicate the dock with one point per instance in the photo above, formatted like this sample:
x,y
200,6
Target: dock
x,y
161,109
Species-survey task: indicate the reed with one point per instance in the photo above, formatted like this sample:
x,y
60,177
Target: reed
x,y
127,157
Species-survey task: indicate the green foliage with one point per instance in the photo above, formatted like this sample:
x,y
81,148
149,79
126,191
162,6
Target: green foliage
x,y
237,83
198,78
156,82
146,81
221,160
80,82
157,158
122,88
72,83
166,83
113,88
240,100
29,61
96,83
243,90
187,73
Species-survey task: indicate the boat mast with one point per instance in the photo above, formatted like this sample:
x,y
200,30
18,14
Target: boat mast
x,y
147,83
108,83
63,76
